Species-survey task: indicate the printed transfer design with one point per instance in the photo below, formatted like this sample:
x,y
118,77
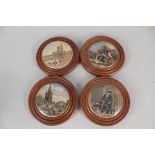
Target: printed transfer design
x,y
105,100
102,54
52,100
57,54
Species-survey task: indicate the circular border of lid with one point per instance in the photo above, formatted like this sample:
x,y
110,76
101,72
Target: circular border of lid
x,y
62,117
60,71
96,70
95,118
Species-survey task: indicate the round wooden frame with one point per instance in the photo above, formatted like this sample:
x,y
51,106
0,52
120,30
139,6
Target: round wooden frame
x,y
64,70
100,120
61,118
96,70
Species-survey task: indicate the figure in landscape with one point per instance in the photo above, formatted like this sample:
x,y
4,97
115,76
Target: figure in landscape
x,y
105,104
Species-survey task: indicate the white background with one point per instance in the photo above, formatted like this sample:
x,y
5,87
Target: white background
x,y
19,72
77,13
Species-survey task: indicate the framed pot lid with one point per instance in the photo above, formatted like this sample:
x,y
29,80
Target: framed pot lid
x,y
52,100
57,56
102,55
105,101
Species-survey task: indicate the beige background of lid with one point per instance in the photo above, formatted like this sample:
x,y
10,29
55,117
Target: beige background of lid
x,y
19,72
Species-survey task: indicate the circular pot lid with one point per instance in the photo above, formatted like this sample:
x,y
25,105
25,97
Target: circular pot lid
x,y
105,101
57,56
52,100
102,55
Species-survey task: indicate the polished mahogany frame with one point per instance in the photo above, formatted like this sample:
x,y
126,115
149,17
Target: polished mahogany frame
x,y
64,116
96,70
64,70
91,115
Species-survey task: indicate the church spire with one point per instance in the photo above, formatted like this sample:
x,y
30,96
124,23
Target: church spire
x,y
49,90
48,96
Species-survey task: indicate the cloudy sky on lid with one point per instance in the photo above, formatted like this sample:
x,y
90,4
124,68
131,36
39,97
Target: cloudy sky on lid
x,y
51,47
60,93
97,45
